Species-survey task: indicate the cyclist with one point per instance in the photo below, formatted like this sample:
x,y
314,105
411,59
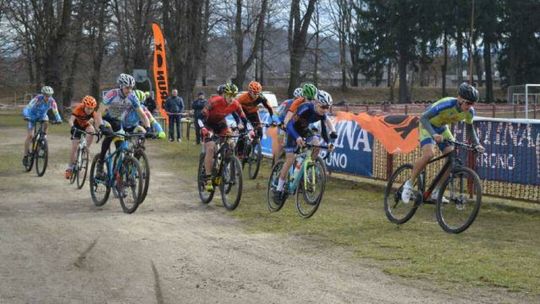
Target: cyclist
x,y
309,93
250,105
80,121
434,129
116,103
213,121
298,129
132,120
279,116
36,110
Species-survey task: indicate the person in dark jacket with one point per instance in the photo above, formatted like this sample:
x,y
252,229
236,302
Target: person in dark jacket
x,y
174,106
150,103
198,105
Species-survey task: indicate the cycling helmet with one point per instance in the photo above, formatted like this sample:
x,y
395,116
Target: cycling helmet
x,y
324,98
220,89
89,101
46,90
125,80
468,92
140,95
230,90
297,92
255,87
309,91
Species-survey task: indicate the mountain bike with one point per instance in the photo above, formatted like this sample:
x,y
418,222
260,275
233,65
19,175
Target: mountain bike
x,y
306,178
80,167
122,173
137,150
249,152
459,199
226,173
39,150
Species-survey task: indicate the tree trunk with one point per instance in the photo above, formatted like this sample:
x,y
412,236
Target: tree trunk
x,y
402,67
241,66
54,57
99,51
459,59
444,67
487,65
204,46
298,34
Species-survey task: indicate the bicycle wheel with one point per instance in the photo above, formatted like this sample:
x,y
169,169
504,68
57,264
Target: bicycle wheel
x,y
145,167
82,168
42,156
464,193
75,168
231,183
322,163
205,195
312,188
99,188
395,209
273,180
129,184
254,159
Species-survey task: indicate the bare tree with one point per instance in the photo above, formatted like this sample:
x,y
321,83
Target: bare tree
x,y
97,31
183,29
133,23
240,32
340,12
297,34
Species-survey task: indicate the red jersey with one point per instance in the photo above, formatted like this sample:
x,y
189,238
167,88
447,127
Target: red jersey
x,y
217,108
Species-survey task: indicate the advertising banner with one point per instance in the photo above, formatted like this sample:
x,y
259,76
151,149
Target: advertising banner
x,y
160,69
512,149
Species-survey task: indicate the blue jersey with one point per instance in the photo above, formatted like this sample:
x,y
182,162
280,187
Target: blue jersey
x,y
37,109
305,115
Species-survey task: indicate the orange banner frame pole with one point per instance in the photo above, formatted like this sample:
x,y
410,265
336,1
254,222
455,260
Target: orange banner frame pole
x,y
160,70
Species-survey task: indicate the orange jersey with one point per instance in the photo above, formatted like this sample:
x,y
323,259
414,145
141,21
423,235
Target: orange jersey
x,y
81,118
296,103
250,105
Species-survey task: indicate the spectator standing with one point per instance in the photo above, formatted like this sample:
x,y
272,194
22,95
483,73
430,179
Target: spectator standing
x,y
150,103
197,106
174,106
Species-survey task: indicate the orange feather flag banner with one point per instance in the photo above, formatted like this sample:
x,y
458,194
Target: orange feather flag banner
x,y
397,133
160,70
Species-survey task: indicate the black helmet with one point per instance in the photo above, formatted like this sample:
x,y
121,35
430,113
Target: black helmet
x,y
468,92
220,89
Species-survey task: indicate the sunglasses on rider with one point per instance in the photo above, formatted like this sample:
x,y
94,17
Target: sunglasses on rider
x,y
325,107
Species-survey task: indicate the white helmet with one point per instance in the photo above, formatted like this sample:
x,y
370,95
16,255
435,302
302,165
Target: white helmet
x,y
46,90
297,92
125,80
324,98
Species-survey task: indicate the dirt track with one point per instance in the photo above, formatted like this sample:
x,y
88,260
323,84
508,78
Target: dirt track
x,y
56,247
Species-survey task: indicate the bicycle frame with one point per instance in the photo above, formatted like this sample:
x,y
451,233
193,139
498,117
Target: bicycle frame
x,y
224,148
112,168
452,161
38,134
294,181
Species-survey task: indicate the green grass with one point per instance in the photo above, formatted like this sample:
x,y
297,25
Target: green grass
x,y
499,250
